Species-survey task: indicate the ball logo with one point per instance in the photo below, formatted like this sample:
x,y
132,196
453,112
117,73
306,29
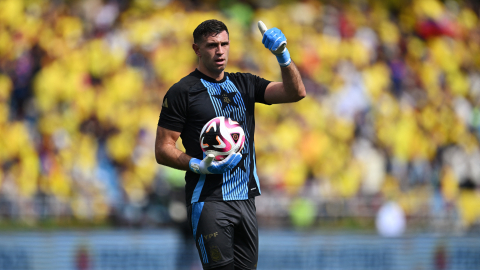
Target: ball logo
x,y
235,137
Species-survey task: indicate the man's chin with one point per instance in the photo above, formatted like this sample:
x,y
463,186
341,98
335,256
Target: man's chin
x,y
221,67
218,69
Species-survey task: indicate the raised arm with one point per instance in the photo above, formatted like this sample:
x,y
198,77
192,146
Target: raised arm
x,y
291,89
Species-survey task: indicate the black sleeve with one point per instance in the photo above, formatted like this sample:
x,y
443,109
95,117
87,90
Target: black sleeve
x,y
260,87
174,108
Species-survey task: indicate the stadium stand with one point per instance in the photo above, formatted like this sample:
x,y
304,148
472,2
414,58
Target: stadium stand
x,y
392,113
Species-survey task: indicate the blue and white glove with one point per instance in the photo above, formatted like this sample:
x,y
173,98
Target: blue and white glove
x,y
276,42
210,166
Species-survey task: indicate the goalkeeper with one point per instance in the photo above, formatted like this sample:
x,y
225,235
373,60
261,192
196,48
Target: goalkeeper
x,y
221,194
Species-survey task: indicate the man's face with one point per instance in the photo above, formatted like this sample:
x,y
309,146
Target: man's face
x,y
213,52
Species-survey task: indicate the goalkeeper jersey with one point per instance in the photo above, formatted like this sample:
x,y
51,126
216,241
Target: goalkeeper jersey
x,y
190,103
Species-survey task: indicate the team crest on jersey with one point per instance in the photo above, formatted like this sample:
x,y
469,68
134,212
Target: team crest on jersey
x,y
165,104
215,253
226,98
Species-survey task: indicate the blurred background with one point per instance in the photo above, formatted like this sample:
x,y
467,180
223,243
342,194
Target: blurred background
x,y
377,168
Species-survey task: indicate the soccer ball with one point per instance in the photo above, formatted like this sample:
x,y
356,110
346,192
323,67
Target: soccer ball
x,y
222,136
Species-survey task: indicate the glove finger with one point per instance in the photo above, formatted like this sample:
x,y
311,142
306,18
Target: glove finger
x,y
234,160
276,33
273,30
238,158
225,163
268,43
268,37
277,44
270,31
208,159
227,159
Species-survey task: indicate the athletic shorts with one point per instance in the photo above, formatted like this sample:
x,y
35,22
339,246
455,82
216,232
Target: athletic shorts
x,y
225,231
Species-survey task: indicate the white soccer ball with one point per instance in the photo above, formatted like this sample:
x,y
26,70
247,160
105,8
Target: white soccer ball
x,y
222,136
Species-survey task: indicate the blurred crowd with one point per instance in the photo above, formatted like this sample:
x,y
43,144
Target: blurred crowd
x,y
392,112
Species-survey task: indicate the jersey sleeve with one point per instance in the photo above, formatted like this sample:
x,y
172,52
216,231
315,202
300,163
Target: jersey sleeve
x,y
174,109
260,87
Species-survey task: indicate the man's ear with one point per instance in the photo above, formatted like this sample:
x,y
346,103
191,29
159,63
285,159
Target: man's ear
x,y
196,49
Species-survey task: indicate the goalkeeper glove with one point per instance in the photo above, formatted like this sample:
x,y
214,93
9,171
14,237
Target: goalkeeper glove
x,y
209,166
274,40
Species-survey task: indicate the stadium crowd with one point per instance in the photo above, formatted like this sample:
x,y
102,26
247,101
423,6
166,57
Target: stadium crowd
x,y
392,112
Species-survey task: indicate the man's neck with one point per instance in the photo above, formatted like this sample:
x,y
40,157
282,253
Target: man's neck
x,y
215,76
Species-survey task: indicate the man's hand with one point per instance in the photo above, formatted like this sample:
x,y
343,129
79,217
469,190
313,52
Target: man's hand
x,y
209,166
274,40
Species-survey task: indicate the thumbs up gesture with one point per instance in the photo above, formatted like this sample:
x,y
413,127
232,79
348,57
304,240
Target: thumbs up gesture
x,y
274,40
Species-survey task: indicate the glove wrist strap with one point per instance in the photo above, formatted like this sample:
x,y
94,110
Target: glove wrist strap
x,y
194,165
284,58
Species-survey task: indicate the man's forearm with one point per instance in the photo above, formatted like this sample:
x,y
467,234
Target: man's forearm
x,y
170,156
292,82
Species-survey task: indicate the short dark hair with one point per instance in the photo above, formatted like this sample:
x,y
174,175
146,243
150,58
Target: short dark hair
x,y
207,28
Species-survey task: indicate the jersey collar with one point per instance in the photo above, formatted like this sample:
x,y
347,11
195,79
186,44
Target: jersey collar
x,y
200,75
